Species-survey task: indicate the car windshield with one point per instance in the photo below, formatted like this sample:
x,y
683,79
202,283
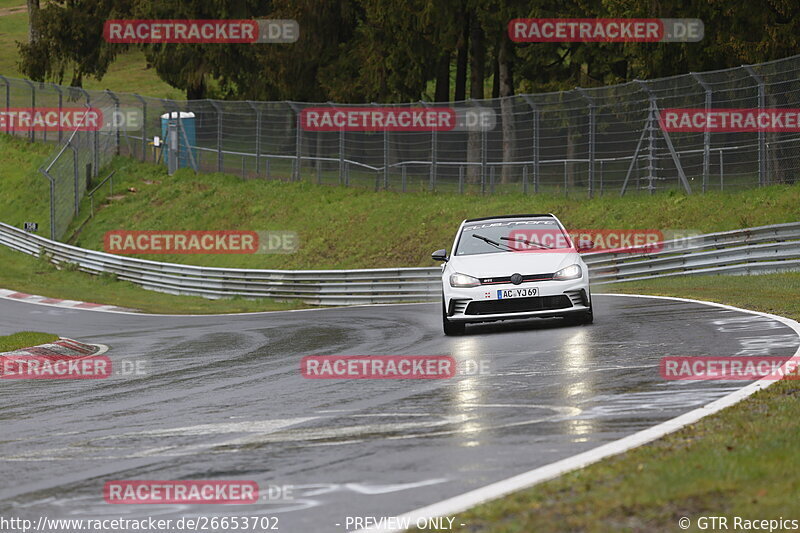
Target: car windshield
x,y
539,234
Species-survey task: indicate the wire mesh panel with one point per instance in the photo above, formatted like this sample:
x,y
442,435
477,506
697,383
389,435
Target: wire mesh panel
x,y
583,142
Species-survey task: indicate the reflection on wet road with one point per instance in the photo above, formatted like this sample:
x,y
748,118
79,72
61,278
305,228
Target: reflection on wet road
x,y
223,398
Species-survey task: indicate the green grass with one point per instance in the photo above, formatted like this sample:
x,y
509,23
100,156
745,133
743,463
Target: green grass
x,y
355,228
737,462
23,189
24,339
11,3
30,275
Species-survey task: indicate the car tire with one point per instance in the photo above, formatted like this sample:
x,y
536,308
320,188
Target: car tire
x,y
451,328
578,319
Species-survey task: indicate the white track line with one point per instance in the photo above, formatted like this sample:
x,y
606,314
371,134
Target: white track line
x,y
496,490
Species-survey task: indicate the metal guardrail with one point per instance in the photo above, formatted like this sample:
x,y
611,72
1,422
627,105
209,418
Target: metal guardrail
x,y
762,249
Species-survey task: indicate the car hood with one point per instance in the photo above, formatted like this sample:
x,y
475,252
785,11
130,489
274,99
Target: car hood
x,y
507,263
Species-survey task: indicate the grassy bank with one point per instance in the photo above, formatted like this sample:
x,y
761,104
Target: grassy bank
x,y
734,463
24,339
356,228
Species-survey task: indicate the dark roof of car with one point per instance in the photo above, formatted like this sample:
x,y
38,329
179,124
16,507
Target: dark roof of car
x,y
509,216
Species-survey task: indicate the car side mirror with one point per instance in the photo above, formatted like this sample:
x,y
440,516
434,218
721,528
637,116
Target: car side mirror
x,y
585,246
439,255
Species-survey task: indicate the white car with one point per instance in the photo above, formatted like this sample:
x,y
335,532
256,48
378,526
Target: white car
x,y
515,266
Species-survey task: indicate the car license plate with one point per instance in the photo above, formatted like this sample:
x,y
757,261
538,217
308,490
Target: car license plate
x,y
517,293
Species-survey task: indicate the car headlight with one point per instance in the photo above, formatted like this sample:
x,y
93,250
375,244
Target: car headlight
x,y
570,272
463,280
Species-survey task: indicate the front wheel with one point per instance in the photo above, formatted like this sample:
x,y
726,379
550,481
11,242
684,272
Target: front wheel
x,y
451,328
584,317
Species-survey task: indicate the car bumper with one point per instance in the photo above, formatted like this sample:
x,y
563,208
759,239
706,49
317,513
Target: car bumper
x,y
554,298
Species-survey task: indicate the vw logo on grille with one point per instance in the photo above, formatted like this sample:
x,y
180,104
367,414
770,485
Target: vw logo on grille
x,y
516,279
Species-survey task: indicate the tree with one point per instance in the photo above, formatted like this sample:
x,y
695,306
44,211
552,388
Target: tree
x,y
66,39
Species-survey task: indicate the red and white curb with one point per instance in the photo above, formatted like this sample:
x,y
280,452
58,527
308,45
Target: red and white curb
x,y
58,302
63,346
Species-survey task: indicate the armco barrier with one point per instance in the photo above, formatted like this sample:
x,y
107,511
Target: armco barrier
x,y
763,249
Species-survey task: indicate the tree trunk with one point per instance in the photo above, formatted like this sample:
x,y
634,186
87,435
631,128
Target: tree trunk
x,y
461,60
33,21
506,91
496,73
197,90
476,78
77,79
442,92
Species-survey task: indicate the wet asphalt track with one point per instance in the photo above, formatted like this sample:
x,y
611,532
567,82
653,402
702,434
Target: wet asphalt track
x,y
222,398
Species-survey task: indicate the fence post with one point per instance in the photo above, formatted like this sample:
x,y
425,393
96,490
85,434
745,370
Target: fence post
x,y
434,155
535,142
52,203
651,137
60,106
762,152
341,150
484,149
144,125
524,179
592,126
258,136
77,196
116,116
94,143
218,110
8,100
298,141
707,132
31,133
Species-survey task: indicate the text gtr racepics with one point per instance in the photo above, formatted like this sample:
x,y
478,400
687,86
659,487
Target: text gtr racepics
x,y
514,266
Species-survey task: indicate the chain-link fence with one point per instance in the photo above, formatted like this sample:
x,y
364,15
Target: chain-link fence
x,y
586,142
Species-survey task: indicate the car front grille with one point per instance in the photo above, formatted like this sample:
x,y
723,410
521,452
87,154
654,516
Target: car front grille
x,y
518,305
526,278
